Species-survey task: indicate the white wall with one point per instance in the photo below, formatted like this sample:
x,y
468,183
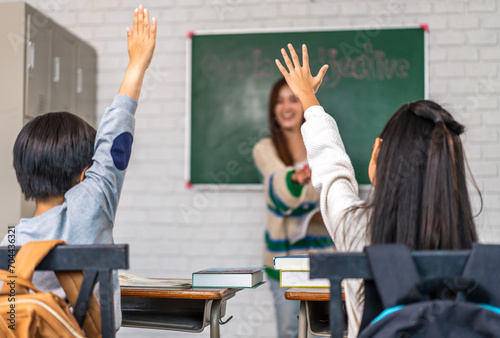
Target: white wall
x,y
227,227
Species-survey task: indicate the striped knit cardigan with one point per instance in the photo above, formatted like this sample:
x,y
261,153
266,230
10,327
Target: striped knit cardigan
x,y
287,202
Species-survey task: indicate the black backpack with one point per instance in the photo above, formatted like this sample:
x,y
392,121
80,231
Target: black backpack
x,y
455,307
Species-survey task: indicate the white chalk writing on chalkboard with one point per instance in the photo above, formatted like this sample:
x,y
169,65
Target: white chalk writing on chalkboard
x,y
370,64
215,69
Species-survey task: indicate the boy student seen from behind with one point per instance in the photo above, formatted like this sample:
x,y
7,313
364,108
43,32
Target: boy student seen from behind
x,y
417,168
76,176
282,163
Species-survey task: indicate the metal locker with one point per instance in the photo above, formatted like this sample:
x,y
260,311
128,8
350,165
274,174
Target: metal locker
x,y
37,82
86,77
63,77
44,68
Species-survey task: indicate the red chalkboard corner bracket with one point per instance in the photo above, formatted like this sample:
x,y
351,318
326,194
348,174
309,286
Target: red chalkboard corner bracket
x,y
189,185
425,27
190,34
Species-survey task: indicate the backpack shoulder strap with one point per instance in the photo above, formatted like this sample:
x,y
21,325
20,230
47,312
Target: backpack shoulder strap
x,y
373,306
394,271
482,266
71,282
8,279
27,259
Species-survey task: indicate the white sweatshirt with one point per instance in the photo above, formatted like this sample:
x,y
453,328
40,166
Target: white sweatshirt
x,y
333,177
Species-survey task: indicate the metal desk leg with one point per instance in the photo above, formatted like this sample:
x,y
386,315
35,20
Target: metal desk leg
x,y
214,318
302,320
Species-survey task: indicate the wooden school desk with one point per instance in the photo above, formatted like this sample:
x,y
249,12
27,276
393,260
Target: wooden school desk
x,y
179,309
314,310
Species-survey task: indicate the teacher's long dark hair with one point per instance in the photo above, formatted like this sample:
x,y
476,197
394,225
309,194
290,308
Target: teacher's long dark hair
x,y
277,135
421,197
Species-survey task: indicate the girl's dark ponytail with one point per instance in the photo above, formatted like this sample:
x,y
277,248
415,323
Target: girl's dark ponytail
x,y
421,198
440,203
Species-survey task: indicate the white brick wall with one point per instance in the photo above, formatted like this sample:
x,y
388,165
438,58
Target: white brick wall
x,y
226,227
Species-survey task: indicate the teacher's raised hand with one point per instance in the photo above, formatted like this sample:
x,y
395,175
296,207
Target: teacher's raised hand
x,y
299,77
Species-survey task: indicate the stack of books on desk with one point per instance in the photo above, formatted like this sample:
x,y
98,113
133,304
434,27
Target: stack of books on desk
x,y
228,278
294,272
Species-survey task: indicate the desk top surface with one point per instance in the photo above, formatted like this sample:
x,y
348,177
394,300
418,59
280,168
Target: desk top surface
x,y
181,293
315,294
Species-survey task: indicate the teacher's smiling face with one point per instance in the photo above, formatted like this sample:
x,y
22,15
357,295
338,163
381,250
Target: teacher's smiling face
x,y
288,110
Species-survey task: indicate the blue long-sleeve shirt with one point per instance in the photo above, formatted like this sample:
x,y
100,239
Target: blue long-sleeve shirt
x,y
88,211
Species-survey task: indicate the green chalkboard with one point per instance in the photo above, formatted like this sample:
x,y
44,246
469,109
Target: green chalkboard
x,y
371,74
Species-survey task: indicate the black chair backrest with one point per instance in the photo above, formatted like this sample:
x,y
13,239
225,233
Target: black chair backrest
x,y
338,266
97,262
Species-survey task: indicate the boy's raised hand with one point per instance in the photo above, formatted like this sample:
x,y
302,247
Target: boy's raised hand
x,y
141,45
141,38
299,77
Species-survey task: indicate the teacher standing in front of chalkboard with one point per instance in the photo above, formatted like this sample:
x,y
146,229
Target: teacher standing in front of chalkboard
x,y
282,163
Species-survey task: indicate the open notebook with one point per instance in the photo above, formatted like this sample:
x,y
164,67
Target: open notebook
x,y
129,280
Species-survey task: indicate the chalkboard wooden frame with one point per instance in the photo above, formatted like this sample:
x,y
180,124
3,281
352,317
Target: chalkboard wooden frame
x,y
189,90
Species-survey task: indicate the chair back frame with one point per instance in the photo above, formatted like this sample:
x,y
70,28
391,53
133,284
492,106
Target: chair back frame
x,y
339,266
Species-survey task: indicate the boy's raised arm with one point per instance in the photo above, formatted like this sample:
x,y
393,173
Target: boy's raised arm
x,y
141,44
113,145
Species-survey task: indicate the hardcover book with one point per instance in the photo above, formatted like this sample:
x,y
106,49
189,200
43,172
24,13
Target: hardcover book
x,y
300,279
294,262
228,277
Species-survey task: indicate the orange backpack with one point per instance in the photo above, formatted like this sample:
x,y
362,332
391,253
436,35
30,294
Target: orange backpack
x,y
42,314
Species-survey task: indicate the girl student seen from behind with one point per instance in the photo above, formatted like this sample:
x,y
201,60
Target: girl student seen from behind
x,y
417,169
282,162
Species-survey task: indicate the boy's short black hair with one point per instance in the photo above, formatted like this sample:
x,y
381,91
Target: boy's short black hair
x,y
50,152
